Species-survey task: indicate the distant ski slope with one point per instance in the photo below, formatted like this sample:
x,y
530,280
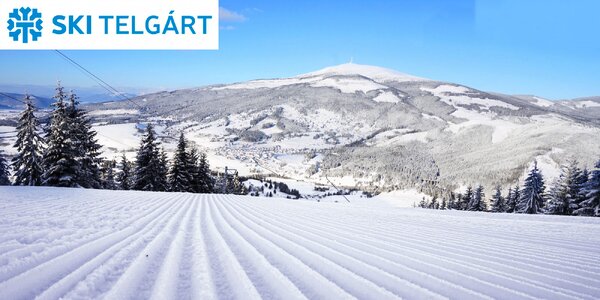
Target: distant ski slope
x,y
75,243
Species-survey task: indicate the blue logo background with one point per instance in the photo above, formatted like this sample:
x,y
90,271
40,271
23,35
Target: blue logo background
x,y
25,22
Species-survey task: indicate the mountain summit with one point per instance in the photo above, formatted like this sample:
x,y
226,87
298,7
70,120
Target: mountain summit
x,y
372,72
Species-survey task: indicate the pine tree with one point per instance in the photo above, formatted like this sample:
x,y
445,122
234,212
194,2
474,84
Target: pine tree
x,y
513,198
567,192
163,171
591,206
27,164
532,197
466,199
108,178
61,167
423,204
124,177
83,139
180,179
207,183
443,206
478,201
498,204
433,202
238,188
4,173
150,169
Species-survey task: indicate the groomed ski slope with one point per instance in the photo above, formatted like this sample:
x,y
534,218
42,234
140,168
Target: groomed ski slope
x,y
74,243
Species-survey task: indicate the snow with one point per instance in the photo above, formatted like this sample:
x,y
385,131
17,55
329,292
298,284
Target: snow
x,y
76,243
549,168
114,112
323,78
586,104
387,97
502,128
458,95
376,73
266,83
543,102
403,198
349,85
118,136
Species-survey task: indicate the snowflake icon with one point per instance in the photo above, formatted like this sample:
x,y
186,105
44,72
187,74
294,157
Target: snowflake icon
x,y
25,22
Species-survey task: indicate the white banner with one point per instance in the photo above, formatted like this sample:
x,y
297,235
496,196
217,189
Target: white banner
x,y
109,24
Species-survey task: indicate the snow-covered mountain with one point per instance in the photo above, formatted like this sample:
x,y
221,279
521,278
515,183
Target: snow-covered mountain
x,y
364,126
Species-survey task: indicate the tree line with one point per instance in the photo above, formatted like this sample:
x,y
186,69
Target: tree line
x,y
576,192
66,153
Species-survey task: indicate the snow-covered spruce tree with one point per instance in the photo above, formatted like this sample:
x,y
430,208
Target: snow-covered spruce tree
x,y
194,170
149,170
433,203
207,182
423,204
451,201
163,170
108,175
478,201
84,141
4,173
124,177
513,198
61,167
466,199
568,191
498,204
532,197
27,164
180,176
591,206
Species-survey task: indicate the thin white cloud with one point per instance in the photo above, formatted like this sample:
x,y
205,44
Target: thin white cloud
x,y
226,15
228,27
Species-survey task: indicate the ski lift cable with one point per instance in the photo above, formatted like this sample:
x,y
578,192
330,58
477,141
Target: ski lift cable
x,y
12,98
104,84
98,80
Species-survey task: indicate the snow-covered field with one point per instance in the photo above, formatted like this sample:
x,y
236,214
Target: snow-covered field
x,y
75,243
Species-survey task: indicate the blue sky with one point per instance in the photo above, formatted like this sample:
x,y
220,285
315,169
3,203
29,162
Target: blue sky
x,y
549,48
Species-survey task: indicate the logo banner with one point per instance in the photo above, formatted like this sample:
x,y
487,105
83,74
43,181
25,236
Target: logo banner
x,y
109,25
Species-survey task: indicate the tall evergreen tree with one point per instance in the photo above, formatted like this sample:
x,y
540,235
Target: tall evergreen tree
x,y
466,199
149,172
567,192
194,170
478,201
124,177
163,170
180,176
207,181
83,139
108,175
27,164
591,206
514,195
61,167
452,201
4,173
498,204
532,197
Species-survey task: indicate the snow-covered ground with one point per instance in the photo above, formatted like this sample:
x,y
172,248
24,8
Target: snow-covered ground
x,y
75,243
